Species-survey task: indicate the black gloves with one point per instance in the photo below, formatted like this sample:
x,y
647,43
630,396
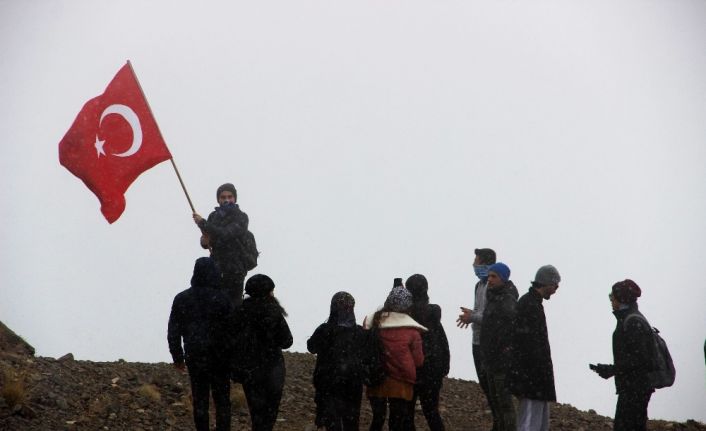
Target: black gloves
x,y
604,370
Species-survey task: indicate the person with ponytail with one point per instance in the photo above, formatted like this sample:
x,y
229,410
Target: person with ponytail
x,y
261,333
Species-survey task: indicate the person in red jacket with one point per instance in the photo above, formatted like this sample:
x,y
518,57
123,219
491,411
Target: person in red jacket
x,y
402,343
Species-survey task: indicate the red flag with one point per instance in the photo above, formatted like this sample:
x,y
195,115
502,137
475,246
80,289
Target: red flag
x,y
112,141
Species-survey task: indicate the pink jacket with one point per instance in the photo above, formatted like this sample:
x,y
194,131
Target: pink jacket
x,y
400,335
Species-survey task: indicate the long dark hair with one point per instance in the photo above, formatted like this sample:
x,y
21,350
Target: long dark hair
x,y
267,300
417,284
377,317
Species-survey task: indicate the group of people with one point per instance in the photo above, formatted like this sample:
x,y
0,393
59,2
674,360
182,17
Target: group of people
x,y
512,354
398,355
219,336
409,340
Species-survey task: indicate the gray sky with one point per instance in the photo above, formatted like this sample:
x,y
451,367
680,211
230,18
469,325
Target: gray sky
x,y
369,140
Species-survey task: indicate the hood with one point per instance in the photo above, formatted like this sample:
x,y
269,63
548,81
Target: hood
x,y
206,273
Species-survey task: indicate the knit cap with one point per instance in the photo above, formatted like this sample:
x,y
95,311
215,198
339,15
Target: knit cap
x,y
547,275
501,269
626,291
227,187
399,299
259,285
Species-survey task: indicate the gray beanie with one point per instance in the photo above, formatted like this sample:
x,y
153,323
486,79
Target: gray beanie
x,y
399,299
227,187
547,276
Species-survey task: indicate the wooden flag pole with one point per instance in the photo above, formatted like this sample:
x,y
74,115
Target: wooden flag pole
x,y
171,159
182,186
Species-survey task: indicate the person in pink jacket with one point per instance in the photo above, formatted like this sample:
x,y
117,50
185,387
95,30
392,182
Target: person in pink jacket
x,y
402,343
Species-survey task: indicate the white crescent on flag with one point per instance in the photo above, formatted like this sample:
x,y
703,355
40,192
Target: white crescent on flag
x,y
134,122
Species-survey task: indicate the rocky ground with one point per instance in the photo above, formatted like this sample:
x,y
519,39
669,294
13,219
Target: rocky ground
x,y
44,394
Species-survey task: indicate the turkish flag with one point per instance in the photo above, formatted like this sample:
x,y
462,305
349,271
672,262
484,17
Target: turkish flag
x,y
113,139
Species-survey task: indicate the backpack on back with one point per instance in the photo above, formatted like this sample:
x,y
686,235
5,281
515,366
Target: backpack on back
x,y
248,250
662,371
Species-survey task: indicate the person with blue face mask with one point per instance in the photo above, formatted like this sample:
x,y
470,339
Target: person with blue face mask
x,y
222,234
484,258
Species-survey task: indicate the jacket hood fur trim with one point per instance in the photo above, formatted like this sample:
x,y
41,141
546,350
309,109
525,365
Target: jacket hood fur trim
x,y
393,319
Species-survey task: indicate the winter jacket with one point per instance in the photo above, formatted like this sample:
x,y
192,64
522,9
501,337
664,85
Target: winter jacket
x,y
401,339
632,349
200,317
497,335
338,352
259,332
434,342
532,374
225,227
478,309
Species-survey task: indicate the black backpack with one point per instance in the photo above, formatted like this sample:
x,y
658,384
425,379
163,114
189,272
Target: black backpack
x,y
373,359
248,250
662,371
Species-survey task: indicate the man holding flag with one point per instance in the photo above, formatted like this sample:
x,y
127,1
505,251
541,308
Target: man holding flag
x,y
225,230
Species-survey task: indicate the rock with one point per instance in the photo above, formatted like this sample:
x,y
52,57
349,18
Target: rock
x,y
66,358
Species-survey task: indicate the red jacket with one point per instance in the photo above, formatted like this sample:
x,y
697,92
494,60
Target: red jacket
x,y
400,335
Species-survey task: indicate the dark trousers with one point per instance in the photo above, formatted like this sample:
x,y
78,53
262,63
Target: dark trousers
x,y
232,283
399,413
631,411
264,392
210,380
482,376
504,418
428,394
338,407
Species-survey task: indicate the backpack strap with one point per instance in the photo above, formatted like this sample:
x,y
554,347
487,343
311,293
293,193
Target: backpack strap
x,y
639,316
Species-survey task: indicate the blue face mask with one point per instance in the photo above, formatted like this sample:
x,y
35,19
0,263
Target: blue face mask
x,y
481,271
228,205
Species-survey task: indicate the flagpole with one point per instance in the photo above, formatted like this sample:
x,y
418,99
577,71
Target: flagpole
x,y
171,159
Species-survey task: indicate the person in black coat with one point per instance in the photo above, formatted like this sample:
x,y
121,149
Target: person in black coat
x,y
222,234
532,374
496,340
338,376
199,316
430,375
632,353
261,333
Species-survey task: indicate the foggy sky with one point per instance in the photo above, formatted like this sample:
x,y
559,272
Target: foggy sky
x,y
369,140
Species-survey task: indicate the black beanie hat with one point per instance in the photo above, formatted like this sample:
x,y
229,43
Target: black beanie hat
x,y
259,285
227,187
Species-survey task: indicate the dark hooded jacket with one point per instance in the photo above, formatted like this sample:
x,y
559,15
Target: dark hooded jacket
x,y
632,350
225,227
496,338
532,374
200,316
434,343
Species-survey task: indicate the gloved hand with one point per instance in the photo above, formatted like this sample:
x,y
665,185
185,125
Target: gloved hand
x,y
604,370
